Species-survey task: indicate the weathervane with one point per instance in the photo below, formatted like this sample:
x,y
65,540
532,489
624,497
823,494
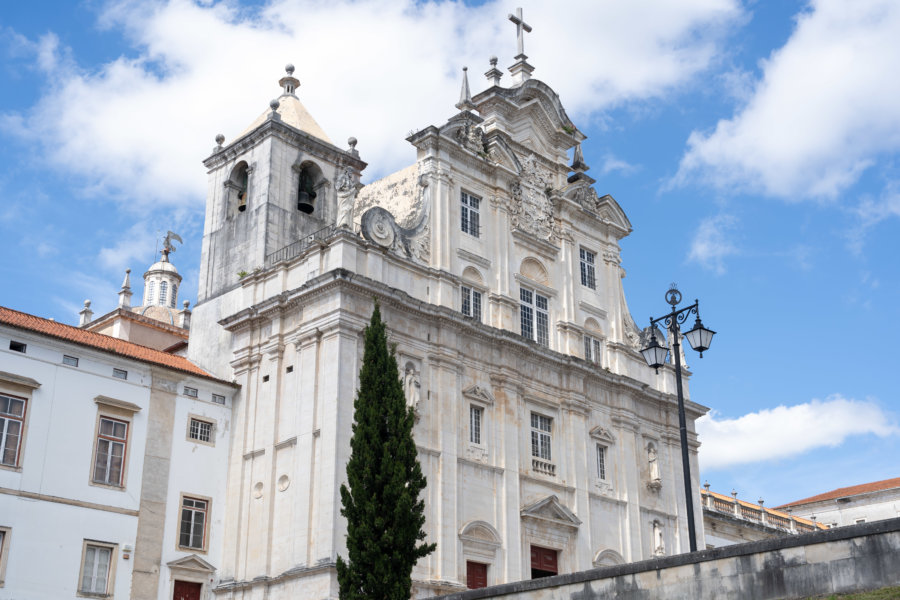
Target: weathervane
x,y
167,244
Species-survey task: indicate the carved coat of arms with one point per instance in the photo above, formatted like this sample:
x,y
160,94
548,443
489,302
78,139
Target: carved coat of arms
x,y
531,209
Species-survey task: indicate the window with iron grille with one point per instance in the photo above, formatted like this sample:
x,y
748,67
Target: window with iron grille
x,y
540,436
471,302
534,317
587,269
12,422
193,523
109,458
469,214
200,430
476,414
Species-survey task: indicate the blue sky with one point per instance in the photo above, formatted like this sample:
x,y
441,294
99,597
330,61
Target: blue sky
x,y
753,145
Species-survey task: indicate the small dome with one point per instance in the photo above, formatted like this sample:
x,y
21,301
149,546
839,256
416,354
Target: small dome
x,y
163,266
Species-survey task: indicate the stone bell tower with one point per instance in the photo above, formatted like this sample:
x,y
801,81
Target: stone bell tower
x,y
279,181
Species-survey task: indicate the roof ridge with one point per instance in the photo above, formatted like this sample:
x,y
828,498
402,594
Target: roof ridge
x,y
850,490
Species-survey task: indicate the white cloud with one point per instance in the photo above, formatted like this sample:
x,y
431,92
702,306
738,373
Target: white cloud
x,y
872,211
824,110
138,126
787,431
712,242
612,163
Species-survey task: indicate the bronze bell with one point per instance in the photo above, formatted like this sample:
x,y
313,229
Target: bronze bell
x,y
242,202
307,194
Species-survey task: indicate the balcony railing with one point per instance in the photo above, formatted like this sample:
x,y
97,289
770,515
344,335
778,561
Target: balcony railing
x,y
295,249
543,467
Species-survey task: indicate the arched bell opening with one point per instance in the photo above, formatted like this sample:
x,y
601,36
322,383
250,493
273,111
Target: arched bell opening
x,y
239,181
310,179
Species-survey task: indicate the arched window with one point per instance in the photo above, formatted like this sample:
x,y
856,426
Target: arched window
x,y
174,295
163,287
151,290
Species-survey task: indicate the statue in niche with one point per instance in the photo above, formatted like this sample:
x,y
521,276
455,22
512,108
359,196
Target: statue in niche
x,y
347,189
655,481
412,386
659,545
653,460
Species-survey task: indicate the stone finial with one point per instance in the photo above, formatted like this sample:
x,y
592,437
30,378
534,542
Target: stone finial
x,y
494,74
706,486
274,104
578,164
289,83
86,314
352,141
125,292
184,315
465,96
761,502
734,494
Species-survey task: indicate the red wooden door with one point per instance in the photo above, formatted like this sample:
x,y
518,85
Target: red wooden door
x,y
476,575
544,559
187,590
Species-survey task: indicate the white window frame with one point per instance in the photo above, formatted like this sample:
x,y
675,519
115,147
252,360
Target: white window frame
x,y
174,295
190,392
476,424
471,302
120,374
470,213
5,534
541,436
112,440
191,430
602,461
588,260
8,419
91,549
70,361
191,511
163,292
218,399
593,349
534,316
151,290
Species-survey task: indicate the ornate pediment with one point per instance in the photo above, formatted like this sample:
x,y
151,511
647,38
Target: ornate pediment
x,y
604,208
479,394
551,509
601,434
191,563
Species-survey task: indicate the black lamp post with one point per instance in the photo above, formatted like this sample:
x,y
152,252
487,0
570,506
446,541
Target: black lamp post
x,y
700,338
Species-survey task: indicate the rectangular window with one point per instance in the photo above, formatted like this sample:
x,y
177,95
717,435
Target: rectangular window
x,y
601,462
12,422
587,269
471,302
475,419
540,436
193,523
218,399
17,346
95,569
534,316
190,392
109,462
120,373
592,349
469,216
70,360
4,552
200,430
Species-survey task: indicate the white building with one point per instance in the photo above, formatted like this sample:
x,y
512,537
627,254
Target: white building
x,y
112,466
727,520
851,505
548,444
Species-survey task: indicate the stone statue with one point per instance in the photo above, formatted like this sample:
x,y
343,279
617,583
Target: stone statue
x,y
653,460
659,545
412,386
347,190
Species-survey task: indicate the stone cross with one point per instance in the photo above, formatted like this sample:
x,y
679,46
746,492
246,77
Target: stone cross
x,y
521,26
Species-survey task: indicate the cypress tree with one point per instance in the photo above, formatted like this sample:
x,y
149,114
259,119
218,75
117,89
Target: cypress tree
x,y
381,500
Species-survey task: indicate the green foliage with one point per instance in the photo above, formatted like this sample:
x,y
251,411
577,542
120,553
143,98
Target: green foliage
x,y
381,503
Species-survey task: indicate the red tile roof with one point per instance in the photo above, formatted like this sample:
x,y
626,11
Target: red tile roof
x,y
853,490
99,341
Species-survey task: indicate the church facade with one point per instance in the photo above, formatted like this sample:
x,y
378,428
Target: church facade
x,y
548,445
